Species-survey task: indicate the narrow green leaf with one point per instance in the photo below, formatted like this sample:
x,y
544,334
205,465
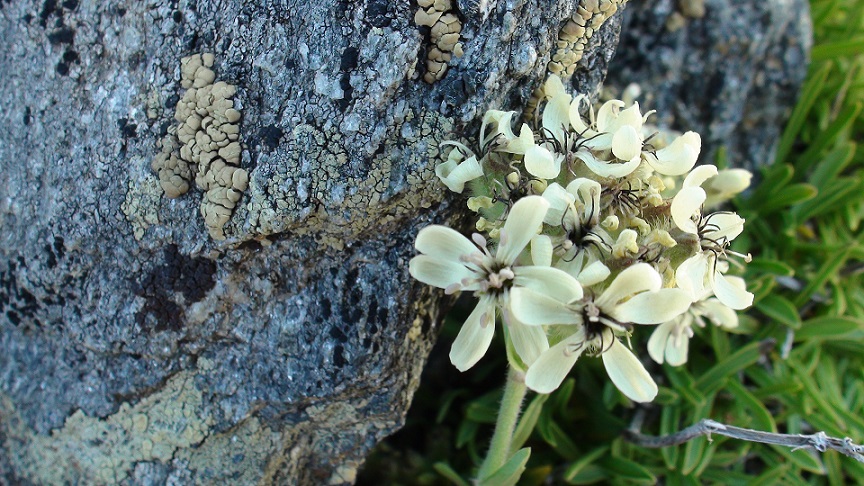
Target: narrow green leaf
x,y
829,269
627,470
579,466
805,459
670,422
835,161
780,309
772,476
684,384
714,378
694,452
774,267
560,398
836,195
591,474
833,50
466,433
828,327
560,441
528,421
445,470
760,416
809,94
790,196
510,472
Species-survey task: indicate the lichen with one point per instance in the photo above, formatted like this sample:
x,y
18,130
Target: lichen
x,y
205,145
444,35
572,41
103,451
141,205
307,195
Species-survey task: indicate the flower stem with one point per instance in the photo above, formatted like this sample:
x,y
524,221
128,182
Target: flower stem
x,y
508,416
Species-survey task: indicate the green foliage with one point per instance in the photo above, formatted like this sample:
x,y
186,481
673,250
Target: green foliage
x,y
795,364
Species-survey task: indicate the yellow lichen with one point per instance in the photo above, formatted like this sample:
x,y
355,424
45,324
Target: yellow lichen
x,y
141,205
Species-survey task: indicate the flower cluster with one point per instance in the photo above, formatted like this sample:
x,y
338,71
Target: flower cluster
x,y
588,234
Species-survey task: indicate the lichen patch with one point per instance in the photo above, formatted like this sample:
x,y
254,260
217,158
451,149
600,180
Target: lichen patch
x,y
445,27
204,147
141,205
91,450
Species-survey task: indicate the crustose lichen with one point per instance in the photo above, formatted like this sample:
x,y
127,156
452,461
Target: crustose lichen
x,y
205,145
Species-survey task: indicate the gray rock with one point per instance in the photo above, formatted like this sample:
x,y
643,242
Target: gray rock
x,y
733,75
135,349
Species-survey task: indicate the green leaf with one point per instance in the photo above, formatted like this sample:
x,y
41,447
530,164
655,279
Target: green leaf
x,y
694,452
670,420
445,470
714,378
760,416
772,476
559,440
589,475
774,267
835,161
627,470
828,327
836,195
579,466
510,472
780,309
809,94
466,433
829,269
805,459
528,421
790,196
833,50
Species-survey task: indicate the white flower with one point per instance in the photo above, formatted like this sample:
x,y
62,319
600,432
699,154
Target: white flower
x,y
452,262
678,157
458,170
614,130
633,297
670,341
704,272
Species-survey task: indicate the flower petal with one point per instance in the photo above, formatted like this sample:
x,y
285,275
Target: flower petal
x,y
536,309
731,295
540,162
549,370
556,115
443,243
560,200
549,281
501,120
454,175
628,374
679,156
523,223
729,226
475,336
659,340
653,307
633,280
528,341
626,143
699,175
576,120
719,313
436,272
594,273
607,115
685,204
541,250
691,274
606,169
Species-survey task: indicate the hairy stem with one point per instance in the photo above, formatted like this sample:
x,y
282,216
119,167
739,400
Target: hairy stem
x,y
508,416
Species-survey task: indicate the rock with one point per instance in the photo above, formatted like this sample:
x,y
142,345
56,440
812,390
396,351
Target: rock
x,y
732,74
135,348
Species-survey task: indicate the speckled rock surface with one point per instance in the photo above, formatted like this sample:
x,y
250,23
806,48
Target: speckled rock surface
x,y
134,348
728,70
